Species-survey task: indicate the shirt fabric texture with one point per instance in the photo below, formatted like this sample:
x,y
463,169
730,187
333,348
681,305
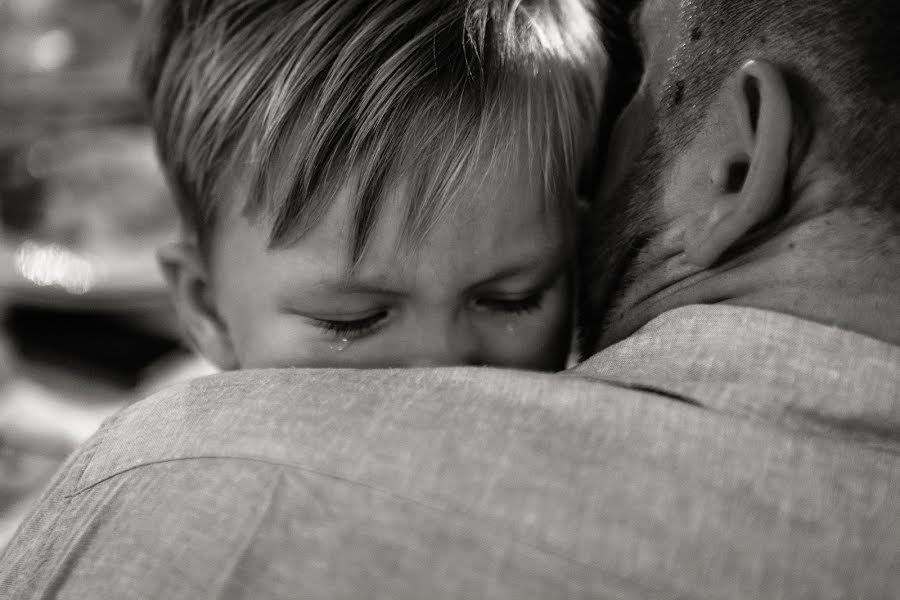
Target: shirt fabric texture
x,y
720,452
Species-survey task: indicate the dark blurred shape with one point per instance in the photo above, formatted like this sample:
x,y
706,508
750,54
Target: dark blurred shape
x,y
109,347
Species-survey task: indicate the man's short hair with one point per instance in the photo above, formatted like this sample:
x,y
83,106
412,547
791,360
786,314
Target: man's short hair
x,y
301,97
841,61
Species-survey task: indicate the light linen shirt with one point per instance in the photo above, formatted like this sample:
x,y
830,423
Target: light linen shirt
x,y
720,452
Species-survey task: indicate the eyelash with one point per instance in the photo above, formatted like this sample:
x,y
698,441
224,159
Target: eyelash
x,y
518,306
352,329
358,328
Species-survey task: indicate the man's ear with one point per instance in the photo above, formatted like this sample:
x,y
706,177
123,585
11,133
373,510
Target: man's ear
x,y
749,174
188,280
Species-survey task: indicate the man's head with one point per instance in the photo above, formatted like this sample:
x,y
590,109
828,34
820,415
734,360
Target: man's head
x,y
312,141
752,117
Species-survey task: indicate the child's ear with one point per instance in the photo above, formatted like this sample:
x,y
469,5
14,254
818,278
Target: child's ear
x,y
189,286
749,170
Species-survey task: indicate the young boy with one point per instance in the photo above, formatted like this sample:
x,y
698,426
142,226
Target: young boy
x,y
374,183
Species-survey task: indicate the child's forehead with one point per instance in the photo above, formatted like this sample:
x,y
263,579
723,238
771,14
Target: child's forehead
x,y
494,198
500,233
499,229
469,180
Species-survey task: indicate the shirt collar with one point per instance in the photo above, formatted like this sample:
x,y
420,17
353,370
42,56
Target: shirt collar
x,y
763,365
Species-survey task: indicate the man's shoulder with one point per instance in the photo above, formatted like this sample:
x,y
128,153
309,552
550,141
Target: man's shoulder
x,y
278,415
734,361
522,484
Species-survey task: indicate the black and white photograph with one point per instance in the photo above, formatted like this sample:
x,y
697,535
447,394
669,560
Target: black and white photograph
x,y
439,299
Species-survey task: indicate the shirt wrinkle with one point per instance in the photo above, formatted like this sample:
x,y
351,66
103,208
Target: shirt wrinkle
x,y
774,367
251,531
454,512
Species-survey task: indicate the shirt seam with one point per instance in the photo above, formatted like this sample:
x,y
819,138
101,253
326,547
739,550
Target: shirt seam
x,y
456,513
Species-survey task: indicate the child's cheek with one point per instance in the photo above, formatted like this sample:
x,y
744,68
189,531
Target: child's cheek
x,y
542,339
283,342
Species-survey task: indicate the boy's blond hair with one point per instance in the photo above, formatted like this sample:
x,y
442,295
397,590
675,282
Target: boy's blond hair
x,y
305,96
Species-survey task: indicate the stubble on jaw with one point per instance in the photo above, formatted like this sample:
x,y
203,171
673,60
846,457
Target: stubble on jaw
x,y
620,225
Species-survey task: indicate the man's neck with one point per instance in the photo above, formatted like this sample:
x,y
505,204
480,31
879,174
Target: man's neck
x,y
839,268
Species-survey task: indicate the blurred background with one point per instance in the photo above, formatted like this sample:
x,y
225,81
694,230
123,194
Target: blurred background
x,y
85,324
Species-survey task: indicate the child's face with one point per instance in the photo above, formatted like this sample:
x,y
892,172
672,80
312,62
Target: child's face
x,y
490,285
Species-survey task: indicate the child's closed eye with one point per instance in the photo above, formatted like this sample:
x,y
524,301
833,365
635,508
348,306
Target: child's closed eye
x,y
512,305
353,328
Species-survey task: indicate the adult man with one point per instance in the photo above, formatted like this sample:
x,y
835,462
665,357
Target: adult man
x,y
736,434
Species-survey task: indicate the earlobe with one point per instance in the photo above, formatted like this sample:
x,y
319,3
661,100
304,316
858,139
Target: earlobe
x,y
748,179
189,287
